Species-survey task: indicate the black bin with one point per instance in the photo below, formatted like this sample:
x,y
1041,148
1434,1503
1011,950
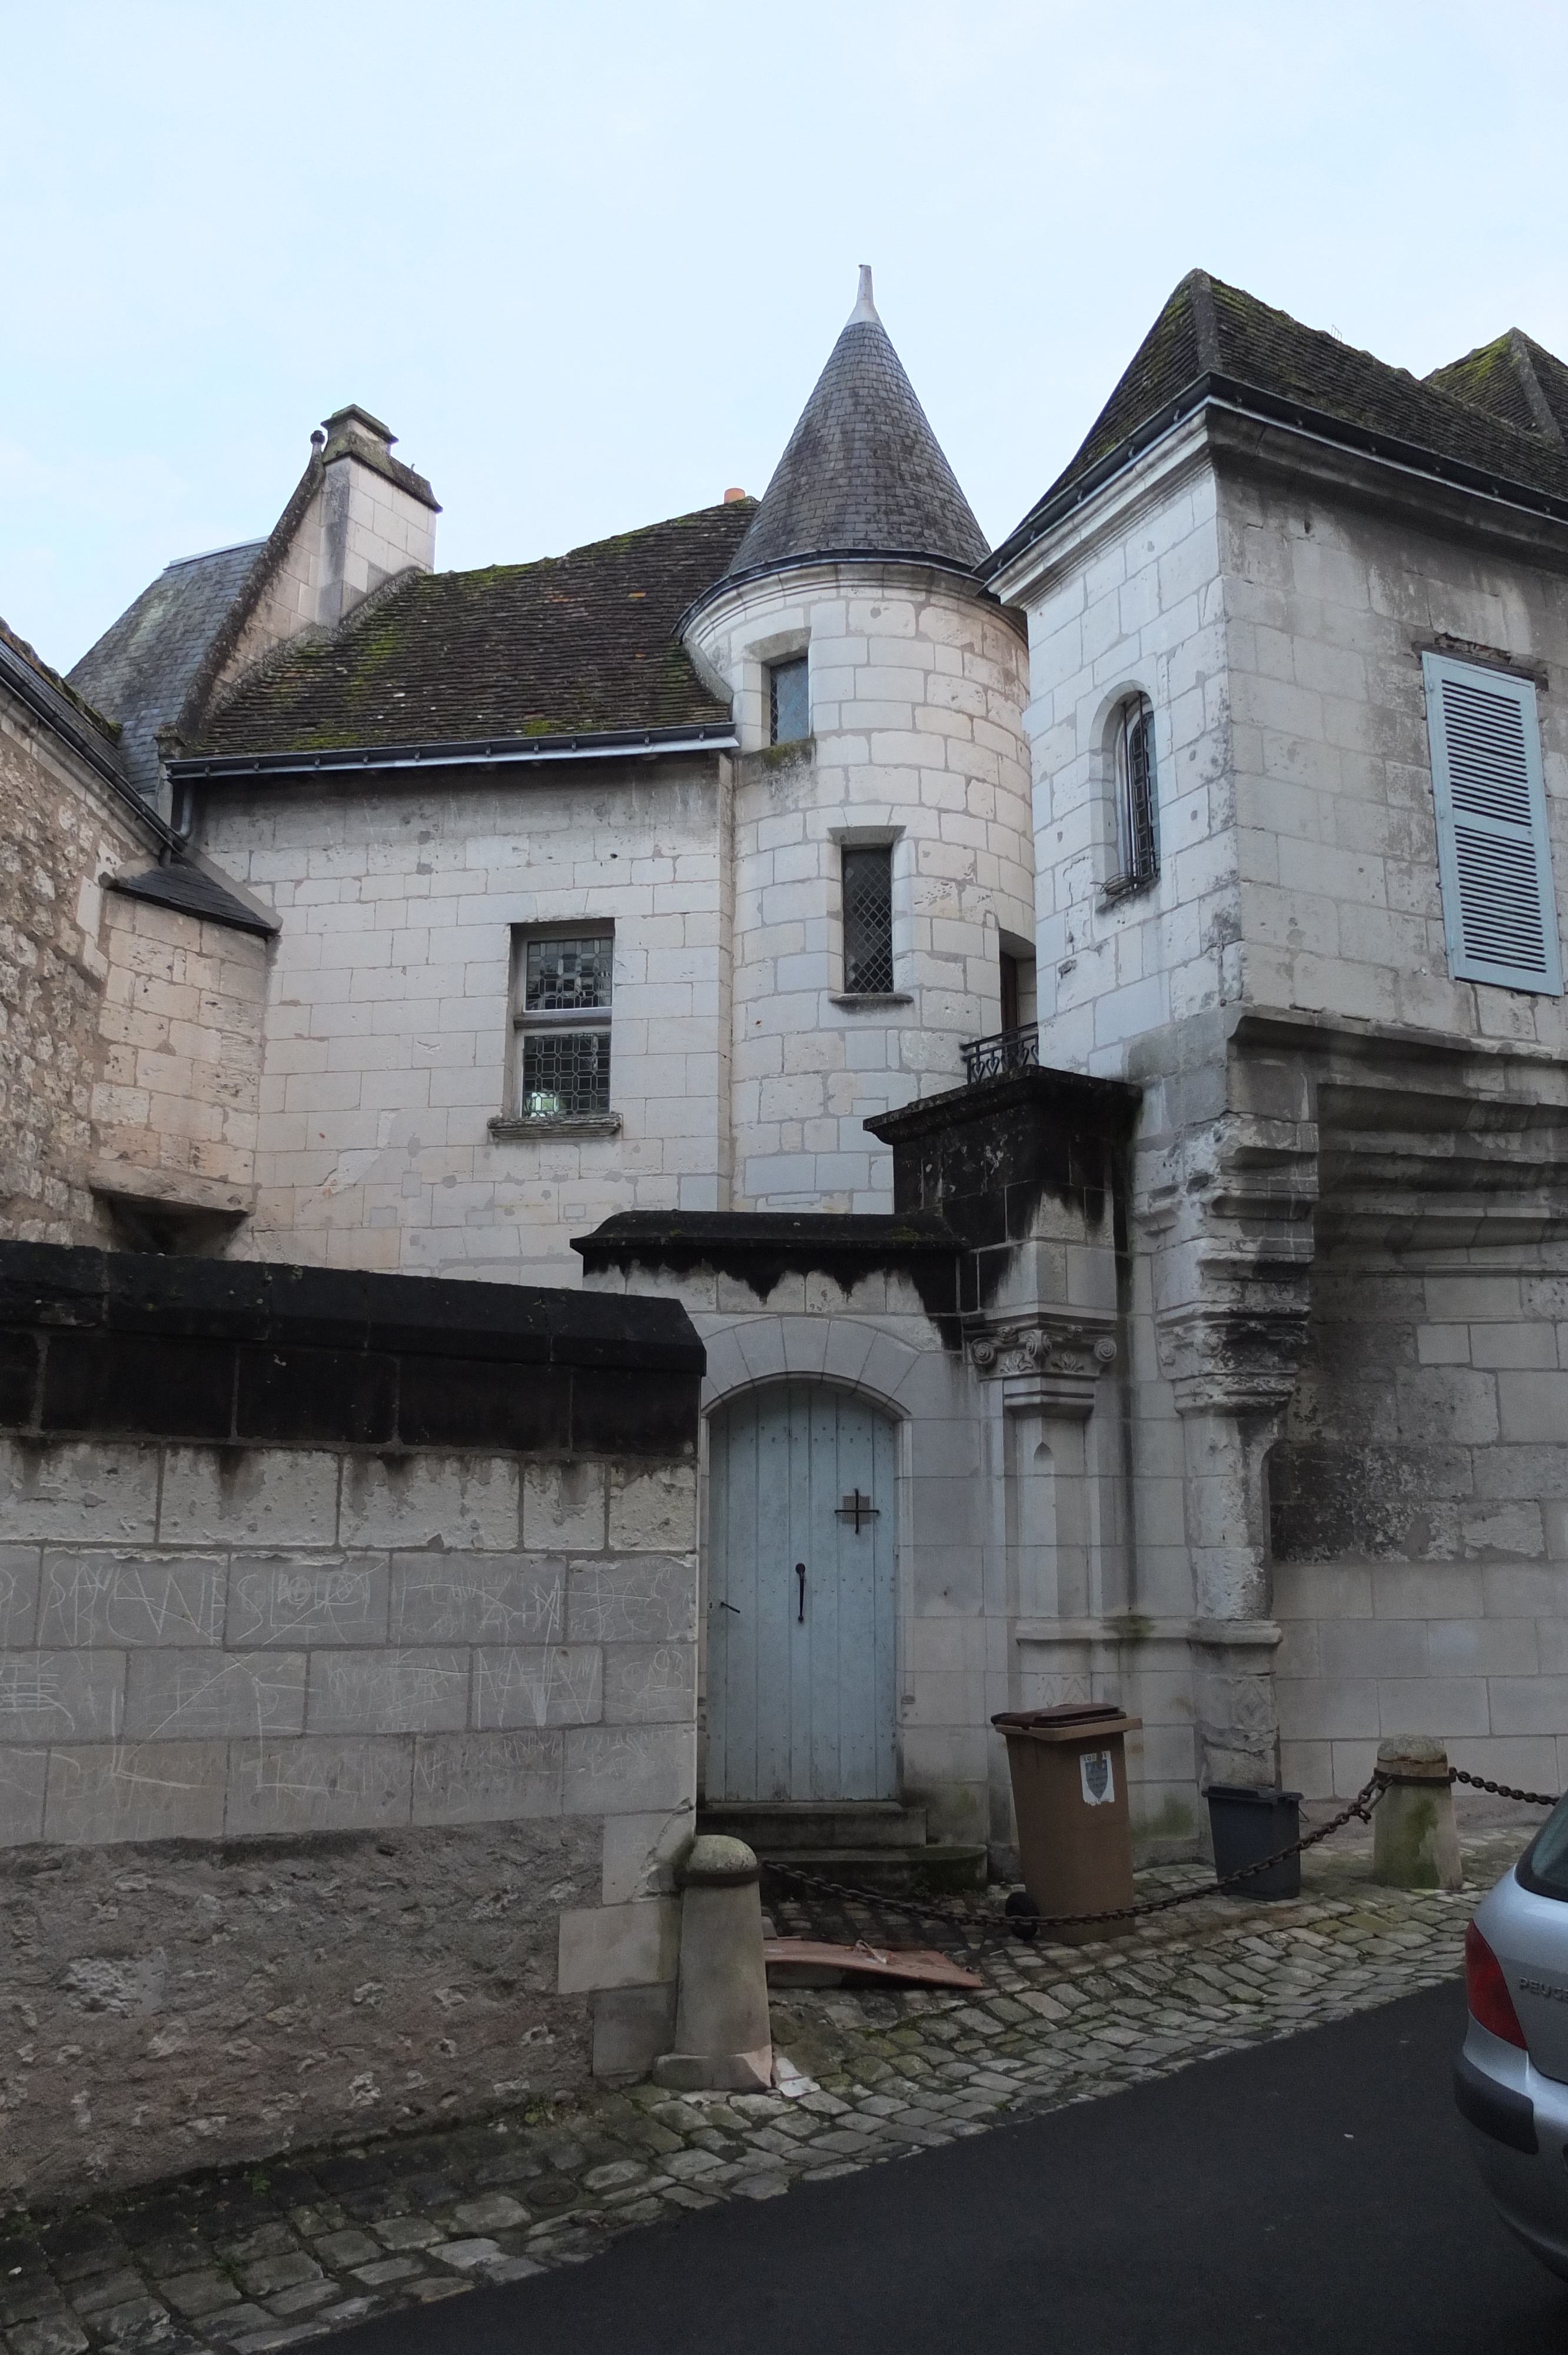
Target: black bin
x,y
1248,1823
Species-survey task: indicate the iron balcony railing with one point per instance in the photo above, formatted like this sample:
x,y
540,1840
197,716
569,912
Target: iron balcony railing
x,y
1005,1051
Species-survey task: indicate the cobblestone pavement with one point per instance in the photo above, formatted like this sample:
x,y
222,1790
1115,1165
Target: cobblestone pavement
x,y
308,2243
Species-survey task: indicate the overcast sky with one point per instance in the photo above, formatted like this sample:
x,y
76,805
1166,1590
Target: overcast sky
x,y
587,260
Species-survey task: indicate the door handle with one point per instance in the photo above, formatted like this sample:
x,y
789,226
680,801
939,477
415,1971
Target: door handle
x,y
800,1574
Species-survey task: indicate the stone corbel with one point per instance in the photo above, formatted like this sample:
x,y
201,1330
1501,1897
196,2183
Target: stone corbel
x,y
1048,1363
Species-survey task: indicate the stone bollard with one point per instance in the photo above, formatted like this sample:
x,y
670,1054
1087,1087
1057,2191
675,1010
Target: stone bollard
x,y
1415,1842
723,2039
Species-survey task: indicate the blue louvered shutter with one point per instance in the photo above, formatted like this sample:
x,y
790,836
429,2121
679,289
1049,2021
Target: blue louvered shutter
x,y
1494,856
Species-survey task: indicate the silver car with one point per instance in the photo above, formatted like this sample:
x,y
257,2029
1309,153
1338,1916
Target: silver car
x,y
1510,2080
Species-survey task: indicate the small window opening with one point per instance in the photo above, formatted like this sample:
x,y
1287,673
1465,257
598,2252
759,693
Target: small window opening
x,y
1136,797
1010,997
868,920
789,702
561,1022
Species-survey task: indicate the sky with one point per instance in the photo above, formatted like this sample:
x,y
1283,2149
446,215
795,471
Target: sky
x,y
587,260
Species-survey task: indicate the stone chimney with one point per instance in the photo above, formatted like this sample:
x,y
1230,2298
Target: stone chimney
x,y
377,517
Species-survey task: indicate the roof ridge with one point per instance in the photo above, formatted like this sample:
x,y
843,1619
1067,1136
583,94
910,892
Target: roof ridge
x,y
109,728
1523,357
1204,320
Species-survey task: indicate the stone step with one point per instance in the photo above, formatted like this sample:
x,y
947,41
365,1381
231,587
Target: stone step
x,y
774,1825
941,1868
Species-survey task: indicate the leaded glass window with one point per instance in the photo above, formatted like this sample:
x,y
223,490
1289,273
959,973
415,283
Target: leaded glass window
x,y
789,702
562,1025
1136,798
868,920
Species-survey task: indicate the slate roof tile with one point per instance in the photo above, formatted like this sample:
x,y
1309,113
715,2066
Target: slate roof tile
x,y
142,667
863,468
1210,329
575,644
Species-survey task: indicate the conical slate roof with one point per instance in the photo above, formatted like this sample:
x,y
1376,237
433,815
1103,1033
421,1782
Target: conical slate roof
x,y
864,470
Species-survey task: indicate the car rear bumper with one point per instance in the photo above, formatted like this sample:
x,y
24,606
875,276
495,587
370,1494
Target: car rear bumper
x,y
1516,2122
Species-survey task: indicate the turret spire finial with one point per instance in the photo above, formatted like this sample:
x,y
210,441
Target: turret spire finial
x,y
864,308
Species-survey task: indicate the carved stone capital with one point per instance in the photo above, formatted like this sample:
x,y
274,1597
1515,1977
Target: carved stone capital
x,y
1048,1361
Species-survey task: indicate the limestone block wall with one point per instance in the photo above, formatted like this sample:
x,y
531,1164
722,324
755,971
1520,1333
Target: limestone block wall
x,y
388,1029
177,1091
1419,1506
61,829
1130,598
347,1675
917,685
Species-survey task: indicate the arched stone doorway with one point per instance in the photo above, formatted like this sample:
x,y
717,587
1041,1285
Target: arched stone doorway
x,y
802,1586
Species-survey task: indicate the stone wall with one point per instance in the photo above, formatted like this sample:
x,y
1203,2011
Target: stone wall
x,y
389,1026
179,1071
348,1632
917,685
59,829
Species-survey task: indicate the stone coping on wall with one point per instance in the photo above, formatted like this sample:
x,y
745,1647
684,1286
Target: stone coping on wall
x,y
174,1348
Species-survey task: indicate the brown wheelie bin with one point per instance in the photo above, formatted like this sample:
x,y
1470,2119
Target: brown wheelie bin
x,y
1069,1794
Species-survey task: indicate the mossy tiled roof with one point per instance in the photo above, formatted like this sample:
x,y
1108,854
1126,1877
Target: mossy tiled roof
x,y
1475,414
1517,380
141,669
573,645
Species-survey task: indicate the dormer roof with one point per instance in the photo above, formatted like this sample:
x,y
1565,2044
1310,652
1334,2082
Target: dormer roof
x,y
862,473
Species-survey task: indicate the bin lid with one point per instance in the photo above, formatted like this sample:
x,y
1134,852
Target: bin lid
x,y
1252,1794
1072,1721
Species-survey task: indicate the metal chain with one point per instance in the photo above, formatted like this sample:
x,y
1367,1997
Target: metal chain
x,y
1502,1790
1028,1925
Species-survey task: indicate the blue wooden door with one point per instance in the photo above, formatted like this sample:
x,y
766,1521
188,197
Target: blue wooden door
x,y
802,1590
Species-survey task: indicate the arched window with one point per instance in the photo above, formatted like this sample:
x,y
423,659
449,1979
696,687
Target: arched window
x,y
1137,796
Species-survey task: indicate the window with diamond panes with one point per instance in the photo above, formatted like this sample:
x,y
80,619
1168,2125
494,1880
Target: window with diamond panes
x,y
789,702
868,920
563,1025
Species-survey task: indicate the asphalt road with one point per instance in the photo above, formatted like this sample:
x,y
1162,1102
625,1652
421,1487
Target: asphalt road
x,y
1309,2198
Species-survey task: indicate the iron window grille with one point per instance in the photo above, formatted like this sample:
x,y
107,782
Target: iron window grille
x,y
1137,796
789,702
561,1025
868,920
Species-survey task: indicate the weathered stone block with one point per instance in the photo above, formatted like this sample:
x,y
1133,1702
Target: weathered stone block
x,y
648,1684
629,1770
18,1596
422,1690
564,1506
131,1598
652,1599
463,1778
557,1684
74,1492
62,1695
653,1511
249,1497
299,1599
162,1790
320,1784
23,1777
641,1852
456,1501
632,2027
619,1945
442,1598
178,1696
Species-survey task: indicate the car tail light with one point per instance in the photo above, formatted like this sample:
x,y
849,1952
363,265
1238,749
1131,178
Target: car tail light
x,y
1486,1990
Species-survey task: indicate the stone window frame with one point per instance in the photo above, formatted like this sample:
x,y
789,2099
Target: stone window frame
x,y
873,838
1132,802
515,1121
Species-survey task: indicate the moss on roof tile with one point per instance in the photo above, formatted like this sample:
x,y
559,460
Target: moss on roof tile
x,y
571,645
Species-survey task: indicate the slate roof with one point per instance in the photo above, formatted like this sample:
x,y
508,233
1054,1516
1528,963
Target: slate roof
x,y
194,893
54,686
142,668
1215,336
577,643
1518,379
863,469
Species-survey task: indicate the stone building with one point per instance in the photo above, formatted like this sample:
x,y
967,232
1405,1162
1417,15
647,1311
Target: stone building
x,y
665,919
